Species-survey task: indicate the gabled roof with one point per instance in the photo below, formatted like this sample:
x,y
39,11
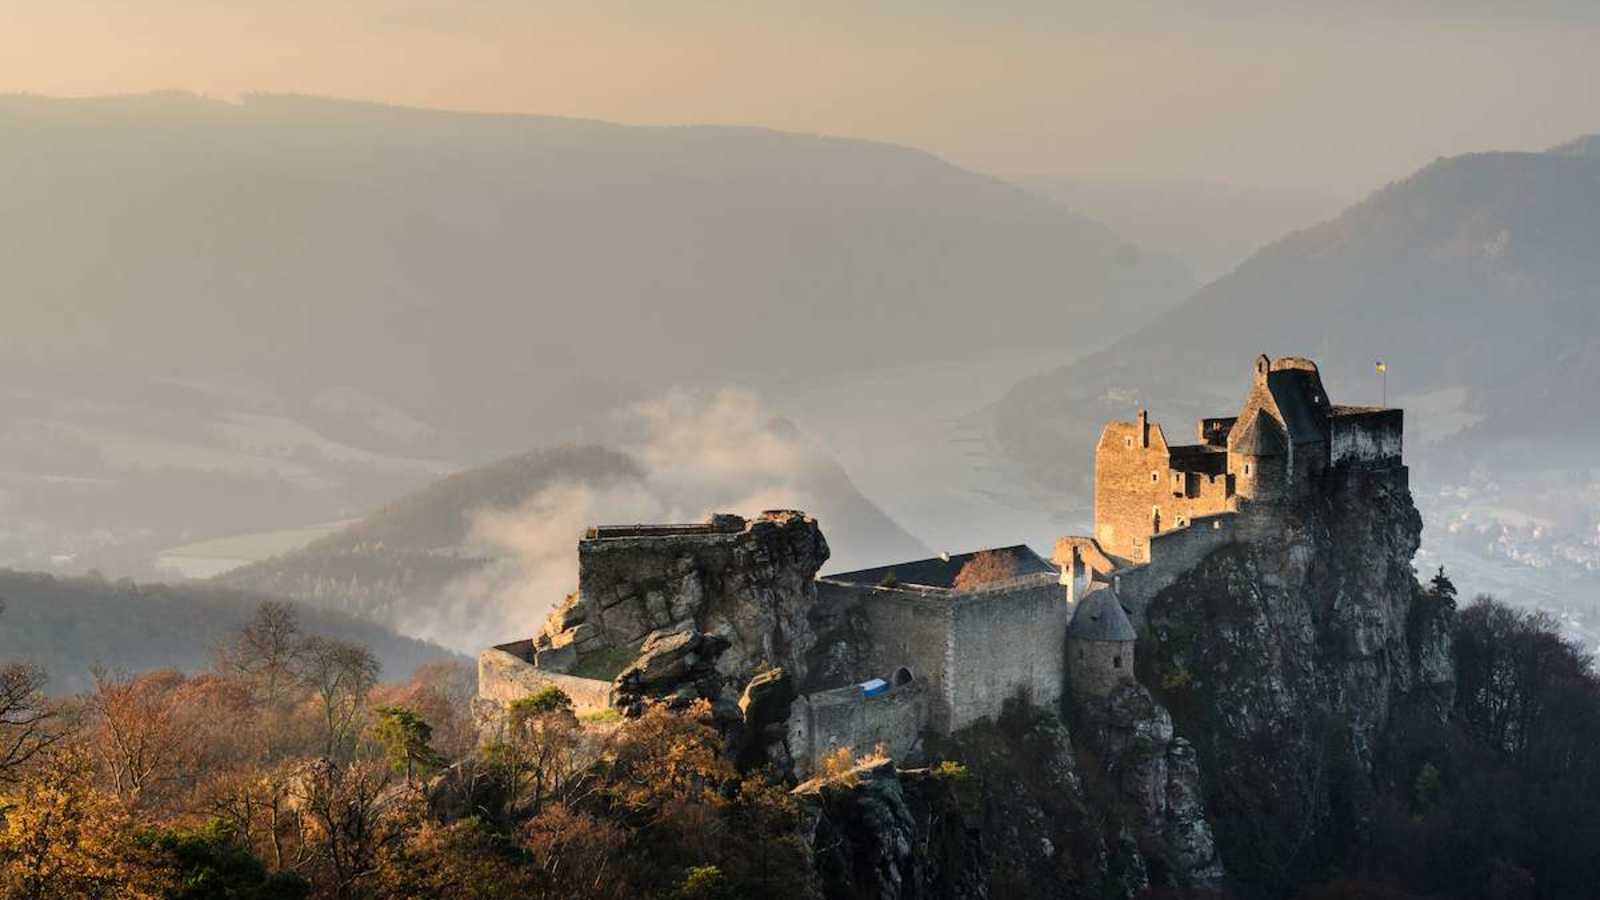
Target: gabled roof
x,y
939,572
1260,436
1100,617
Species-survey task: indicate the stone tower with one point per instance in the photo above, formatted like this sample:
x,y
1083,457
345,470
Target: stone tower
x,y
1099,644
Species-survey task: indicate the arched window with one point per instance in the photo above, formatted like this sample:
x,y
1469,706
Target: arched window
x,y
902,675
1247,468
1116,662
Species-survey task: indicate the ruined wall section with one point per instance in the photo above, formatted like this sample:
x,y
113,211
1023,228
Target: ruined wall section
x,y
506,674
1176,552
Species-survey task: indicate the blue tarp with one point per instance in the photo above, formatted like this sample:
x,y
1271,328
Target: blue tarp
x,y
874,687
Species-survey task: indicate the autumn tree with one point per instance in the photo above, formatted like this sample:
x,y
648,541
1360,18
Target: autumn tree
x,y
985,567
29,723
339,675
138,732
351,817
441,692
576,854
61,837
462,860
539,752
406,739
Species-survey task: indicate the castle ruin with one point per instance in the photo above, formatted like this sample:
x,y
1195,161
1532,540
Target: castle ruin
x,y
883,656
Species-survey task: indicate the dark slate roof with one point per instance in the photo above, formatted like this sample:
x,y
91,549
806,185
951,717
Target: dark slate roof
x,y
1100,617
1260,436
1203,458
1298,395
938,572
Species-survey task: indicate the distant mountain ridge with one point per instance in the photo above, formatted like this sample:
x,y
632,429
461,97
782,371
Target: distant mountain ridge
x,y
1479,274
447,262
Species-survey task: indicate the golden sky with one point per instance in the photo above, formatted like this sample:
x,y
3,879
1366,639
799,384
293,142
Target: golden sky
x,y
1271,94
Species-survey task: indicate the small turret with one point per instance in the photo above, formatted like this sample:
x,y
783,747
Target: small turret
x,y
1099,644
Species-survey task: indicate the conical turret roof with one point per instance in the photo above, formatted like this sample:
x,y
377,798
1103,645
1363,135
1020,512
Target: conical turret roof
x,y
1100,617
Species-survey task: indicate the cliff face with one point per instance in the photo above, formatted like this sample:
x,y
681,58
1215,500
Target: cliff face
x,y
1284,659
749,584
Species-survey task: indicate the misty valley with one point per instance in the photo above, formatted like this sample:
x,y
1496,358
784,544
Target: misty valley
x,y
397,503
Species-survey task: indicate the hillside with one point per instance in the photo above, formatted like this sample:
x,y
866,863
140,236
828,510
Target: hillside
x,y
1469,278
1477,280
390,294
68,625
480,557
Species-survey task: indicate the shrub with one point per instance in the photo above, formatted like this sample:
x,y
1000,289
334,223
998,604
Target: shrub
x,y
987,567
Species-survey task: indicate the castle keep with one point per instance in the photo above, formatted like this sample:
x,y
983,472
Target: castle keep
x,y
883,656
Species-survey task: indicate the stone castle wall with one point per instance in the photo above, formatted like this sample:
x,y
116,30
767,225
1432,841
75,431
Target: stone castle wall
x,y
972,649
821,723
903,627
1095,667
506,674
1137,493
1174,552
1369,438
1005,639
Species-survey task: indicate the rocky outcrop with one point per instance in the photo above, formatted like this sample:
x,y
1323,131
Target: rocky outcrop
x,y
1283,660
882,834
674,667
1157,775
749,583
1046,818
766,704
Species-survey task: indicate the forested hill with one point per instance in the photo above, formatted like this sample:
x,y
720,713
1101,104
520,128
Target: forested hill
x,y
68,625
480,556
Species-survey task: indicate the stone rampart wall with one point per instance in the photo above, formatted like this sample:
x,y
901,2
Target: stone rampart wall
x,y
1004,641
504,677
907,627
1171,554
821,723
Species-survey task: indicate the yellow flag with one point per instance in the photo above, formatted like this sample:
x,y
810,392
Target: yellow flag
x,y
1382,366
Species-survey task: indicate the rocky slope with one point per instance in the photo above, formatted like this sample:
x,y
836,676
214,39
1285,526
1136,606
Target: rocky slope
x,y
1287,660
